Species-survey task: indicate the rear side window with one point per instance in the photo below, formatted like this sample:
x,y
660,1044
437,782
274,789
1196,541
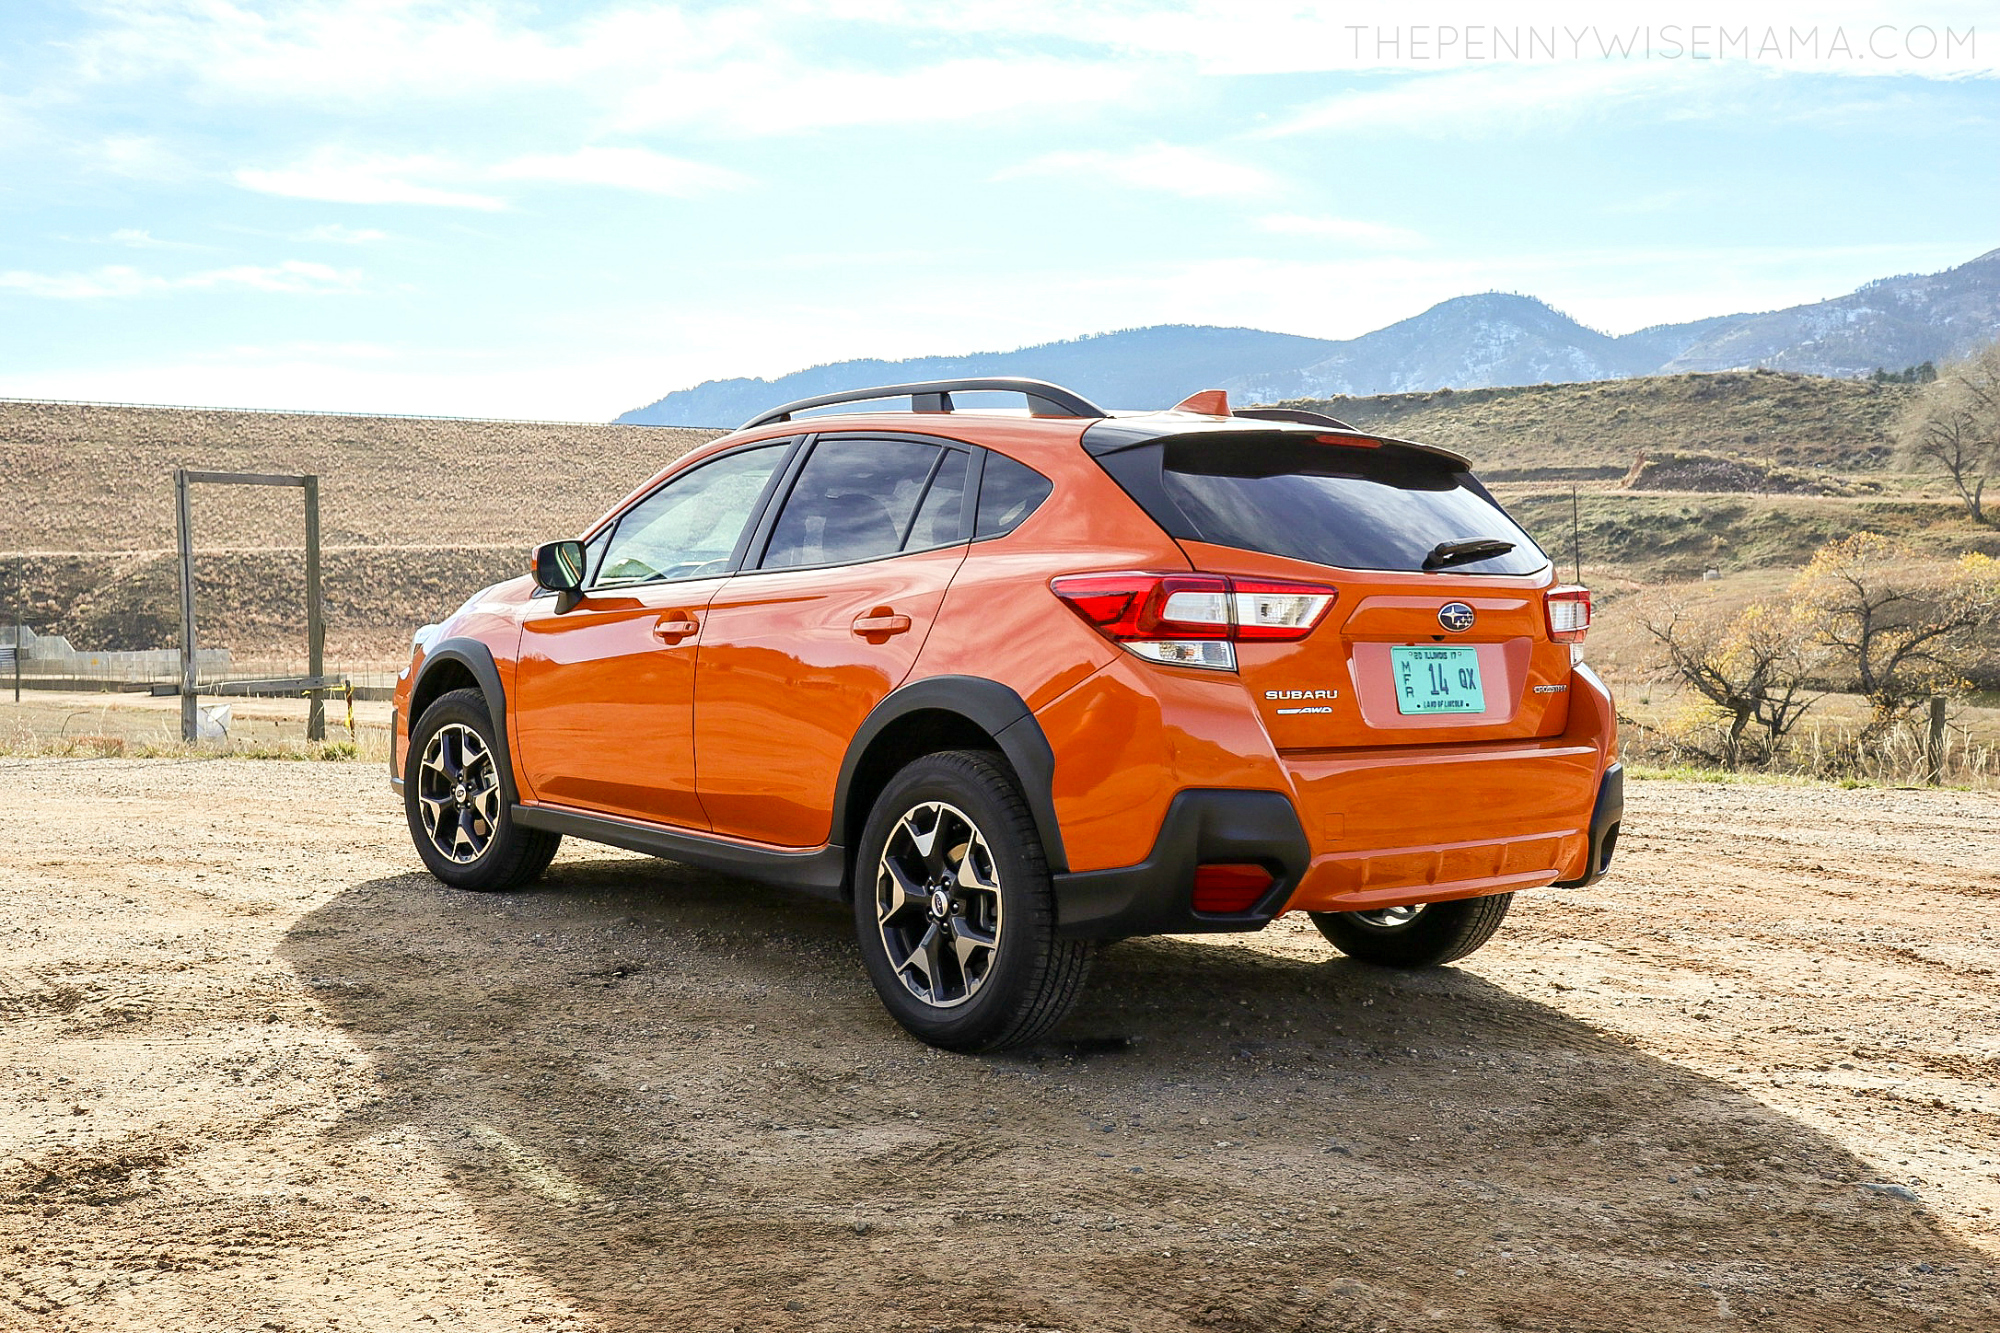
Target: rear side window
x,y
1008,493
1386,509
860,499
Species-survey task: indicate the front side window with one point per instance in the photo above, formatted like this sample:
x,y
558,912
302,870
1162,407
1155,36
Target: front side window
x,y
861,499
689,527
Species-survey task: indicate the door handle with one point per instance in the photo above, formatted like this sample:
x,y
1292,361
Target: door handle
x,y
880,623
674,626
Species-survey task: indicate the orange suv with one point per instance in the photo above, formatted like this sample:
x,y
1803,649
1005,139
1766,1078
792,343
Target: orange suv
x,y
1014,683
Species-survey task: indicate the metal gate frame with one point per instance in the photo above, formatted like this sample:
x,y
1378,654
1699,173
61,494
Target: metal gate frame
x,y
315,685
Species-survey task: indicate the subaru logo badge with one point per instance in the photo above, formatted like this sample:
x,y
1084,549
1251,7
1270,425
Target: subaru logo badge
x,y
1455,616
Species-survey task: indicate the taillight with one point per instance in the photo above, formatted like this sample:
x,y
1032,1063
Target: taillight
x,y
1569,613
1193,619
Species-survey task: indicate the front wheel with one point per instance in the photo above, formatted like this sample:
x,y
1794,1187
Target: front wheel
x,y
954,910
1419,935
457,807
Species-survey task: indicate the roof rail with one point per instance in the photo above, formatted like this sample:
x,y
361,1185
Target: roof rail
x,y
1044,399
1292,414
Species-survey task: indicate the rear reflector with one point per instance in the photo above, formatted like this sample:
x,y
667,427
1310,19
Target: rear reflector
x,y
1569,613
1224,889
1193,619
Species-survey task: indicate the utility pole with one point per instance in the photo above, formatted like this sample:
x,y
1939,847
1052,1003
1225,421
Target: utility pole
x,y
20,637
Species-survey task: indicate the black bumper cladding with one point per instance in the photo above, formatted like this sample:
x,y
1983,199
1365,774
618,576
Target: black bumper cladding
x,y
1156,897
1605,818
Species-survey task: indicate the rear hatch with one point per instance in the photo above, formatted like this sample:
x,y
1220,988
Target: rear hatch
x,y
1431,638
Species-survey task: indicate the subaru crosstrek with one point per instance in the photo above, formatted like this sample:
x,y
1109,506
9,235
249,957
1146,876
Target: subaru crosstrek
x,y
1014,683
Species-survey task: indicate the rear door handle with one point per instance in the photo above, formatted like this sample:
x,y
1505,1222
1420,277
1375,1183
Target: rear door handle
x,y
880,623
674,626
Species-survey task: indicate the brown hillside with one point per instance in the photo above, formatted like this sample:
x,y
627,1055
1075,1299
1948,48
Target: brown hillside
x,y
1597,430
95,479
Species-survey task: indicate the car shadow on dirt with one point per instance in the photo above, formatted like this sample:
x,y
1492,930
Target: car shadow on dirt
x,y
674,1096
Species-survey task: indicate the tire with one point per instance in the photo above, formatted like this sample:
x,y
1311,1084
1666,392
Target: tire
x,y
1438,933
464,830
950,876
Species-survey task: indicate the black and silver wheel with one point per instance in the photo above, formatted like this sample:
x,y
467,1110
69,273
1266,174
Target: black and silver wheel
x,y
456,802
954,911
1416,935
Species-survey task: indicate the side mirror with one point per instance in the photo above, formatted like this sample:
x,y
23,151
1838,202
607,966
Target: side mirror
x,y
559,568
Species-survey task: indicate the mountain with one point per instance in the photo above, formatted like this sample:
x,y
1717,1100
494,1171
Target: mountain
x,y
1487,340
1466,342
1890,323
1150,367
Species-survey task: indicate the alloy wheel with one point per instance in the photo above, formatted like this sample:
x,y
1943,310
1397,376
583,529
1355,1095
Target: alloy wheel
x,y
937,904
458,792
1390,918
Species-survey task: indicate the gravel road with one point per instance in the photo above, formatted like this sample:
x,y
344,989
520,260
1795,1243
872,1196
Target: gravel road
x,y
261,1076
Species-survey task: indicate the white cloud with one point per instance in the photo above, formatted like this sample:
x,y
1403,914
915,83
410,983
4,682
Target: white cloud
x,y
1339,229
138,239
619,168
1475,101
332,233
768,92
1171,168
340,176
140,157
346,178
293,276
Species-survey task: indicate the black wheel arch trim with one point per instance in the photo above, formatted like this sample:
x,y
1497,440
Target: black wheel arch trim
x,y
1605,818
1156,896
476,658
994,709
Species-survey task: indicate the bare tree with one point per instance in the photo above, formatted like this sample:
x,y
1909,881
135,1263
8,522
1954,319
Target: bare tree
x,y
1756,667
1898,627
1954,427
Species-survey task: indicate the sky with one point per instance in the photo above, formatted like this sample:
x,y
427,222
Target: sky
x,y
565,210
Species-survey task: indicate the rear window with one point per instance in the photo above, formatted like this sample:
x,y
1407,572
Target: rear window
x,y
1336,505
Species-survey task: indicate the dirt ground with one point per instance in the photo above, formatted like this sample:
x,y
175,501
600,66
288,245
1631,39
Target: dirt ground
x,y
261,1076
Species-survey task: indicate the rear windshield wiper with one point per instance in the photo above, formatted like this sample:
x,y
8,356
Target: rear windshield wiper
x,y
1446,554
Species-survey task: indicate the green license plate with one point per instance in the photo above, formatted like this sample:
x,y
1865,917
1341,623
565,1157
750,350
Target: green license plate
x,y
1437,680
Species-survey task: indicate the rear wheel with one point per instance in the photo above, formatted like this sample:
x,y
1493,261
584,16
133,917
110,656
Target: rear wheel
x,y
457,807
954,910
1419,935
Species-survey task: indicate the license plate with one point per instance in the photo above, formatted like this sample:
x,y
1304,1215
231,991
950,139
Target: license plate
x,y
1437,680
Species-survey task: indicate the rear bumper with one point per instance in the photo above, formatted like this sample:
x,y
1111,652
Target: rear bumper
x,y
1155,896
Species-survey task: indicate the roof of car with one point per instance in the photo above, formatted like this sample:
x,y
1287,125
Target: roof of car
x,y
1104,431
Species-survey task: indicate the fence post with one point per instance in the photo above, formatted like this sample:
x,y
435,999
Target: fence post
x,y
185,521
20,636
315,624
1935,750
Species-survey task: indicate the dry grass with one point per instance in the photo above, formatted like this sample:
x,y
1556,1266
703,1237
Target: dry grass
x,y
1667,729
117,747
1550,431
